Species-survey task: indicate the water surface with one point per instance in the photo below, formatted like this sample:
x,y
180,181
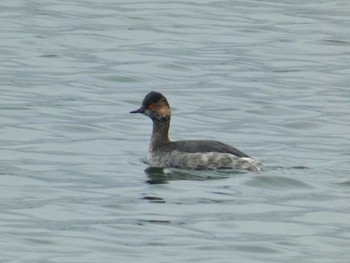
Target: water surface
x,y
271,78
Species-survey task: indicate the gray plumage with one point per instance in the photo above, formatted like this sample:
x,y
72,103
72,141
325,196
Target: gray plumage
x,y
191,154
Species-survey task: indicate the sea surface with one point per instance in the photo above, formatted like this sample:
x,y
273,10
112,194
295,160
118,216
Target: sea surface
x,y
269,77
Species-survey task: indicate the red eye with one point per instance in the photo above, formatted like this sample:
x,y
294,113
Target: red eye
x,y
151,106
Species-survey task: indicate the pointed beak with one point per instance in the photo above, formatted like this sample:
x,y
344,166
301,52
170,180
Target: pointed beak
x,y
140,110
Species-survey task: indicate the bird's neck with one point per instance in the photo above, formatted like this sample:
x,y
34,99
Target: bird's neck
x,y
160,133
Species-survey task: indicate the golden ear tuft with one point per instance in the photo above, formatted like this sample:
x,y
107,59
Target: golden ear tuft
x,y
163,108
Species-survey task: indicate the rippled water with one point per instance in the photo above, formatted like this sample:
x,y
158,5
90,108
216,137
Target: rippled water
x,y
270,77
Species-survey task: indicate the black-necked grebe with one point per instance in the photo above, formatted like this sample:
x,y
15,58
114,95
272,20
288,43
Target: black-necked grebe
x,y
192,154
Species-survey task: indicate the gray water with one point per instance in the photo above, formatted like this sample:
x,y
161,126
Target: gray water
x,y
269,77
